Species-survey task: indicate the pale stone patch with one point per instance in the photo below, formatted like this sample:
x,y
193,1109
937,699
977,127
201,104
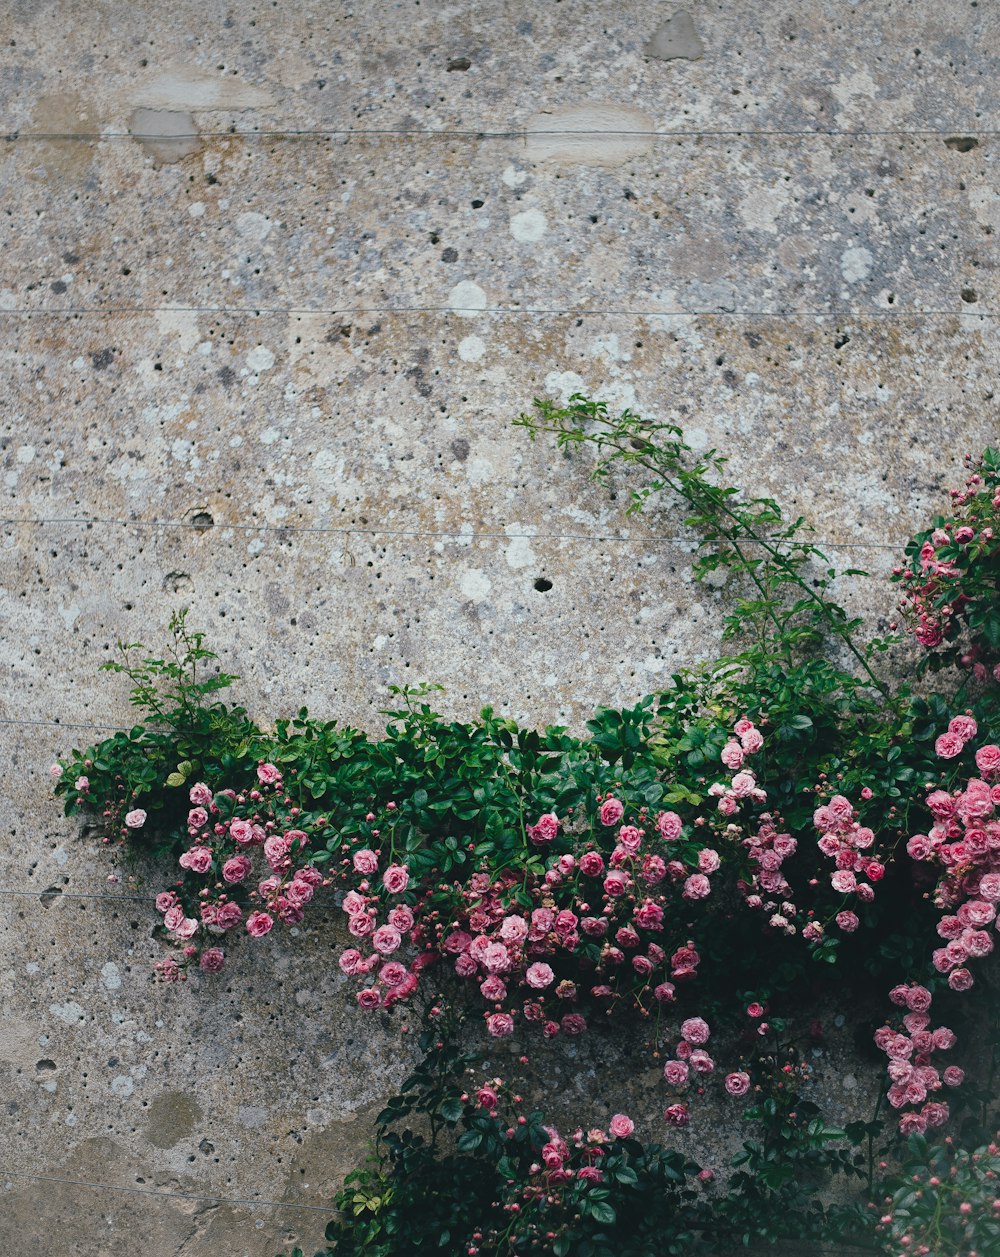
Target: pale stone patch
x,y
471,348
529,226
260,359
856,264
474,584
591,134
467,299
111,976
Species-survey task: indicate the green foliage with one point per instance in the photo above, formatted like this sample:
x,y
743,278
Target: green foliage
x,y
455,797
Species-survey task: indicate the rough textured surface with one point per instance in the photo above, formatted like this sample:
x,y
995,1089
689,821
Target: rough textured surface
x,y
275,280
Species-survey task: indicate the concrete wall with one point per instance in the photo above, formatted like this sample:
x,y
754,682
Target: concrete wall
x,y
267,370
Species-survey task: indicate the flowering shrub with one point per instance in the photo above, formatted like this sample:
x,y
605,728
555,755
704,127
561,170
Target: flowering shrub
x,y
944,1203
950,580
695,869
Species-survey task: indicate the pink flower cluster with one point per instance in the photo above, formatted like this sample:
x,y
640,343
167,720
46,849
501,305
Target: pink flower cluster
x,y
598,929
232,835
849,845
964,842
767,849
953,572
743,787
912,1076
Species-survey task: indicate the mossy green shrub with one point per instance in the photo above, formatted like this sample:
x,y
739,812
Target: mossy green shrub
x,y
790,821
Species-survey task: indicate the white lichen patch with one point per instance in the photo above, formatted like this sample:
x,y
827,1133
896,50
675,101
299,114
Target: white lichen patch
x,y
591,134
467,299
856,264
529,226
474,584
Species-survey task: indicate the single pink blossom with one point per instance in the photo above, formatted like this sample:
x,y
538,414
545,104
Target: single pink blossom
x,y
611,811
738,1084
268,774
135,819
620,1126
259,924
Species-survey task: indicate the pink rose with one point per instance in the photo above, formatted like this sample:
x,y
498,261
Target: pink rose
x,y
620,1126
848,921
197,818
611,811
642,965
236,869
465,966
732,756
228,915
349,961
653,870
212,959
695,1030
369,997
649,916
573,1024
669,825
200,795
664,993
396,878
948,745
393,974
677,1115
544,830
539,976
960,980
174,916
697,886
401,918
165,900
82,784
365,861
616,883
944,1039
843,881
500,1025
386,939
488,1098
963,727
298,893
738,1084
591,864
186,928
259,924
267,774
988,760
493,989
708,860
743,785
198,860
135,819
242,832
276,853
630,839
701,1062
953,1076
752,741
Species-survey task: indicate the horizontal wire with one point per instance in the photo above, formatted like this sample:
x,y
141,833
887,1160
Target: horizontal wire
x,y
167,1195
17,136
57,893
337,530
461,311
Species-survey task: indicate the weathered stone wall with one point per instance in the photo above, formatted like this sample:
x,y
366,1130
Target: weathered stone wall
x,y
275,279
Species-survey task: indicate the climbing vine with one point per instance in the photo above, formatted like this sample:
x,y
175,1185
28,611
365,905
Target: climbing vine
x,y
791,818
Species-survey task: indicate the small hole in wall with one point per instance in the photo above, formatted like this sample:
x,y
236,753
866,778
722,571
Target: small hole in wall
x,y
542,585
